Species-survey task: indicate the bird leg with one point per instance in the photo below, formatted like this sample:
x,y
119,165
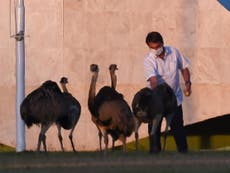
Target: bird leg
x,y
113,144
60,136
42,137
106,140
137,125
71,138
123,140
100,138
155,123
44,143
137,139
152,135
168,122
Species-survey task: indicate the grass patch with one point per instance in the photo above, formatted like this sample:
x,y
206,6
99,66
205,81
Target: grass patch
x,y
195,143
6,148
210,134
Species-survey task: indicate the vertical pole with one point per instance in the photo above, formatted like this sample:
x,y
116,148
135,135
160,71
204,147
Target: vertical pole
x,y
20,72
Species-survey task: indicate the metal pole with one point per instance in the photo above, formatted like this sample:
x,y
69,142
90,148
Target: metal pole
x,y
20,72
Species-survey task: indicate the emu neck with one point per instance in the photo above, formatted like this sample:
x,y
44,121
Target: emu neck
x,y
92,93
65,90
113,80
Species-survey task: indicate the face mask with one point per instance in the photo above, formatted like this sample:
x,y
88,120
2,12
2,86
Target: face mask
x,y
158,51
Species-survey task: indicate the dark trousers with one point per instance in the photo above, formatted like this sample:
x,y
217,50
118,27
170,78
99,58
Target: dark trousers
x,y
178,131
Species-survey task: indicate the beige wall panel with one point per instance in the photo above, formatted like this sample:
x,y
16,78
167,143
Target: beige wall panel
x,y
4,24
207,100
44,24
7,67
75,30
43,65
65,37
7,115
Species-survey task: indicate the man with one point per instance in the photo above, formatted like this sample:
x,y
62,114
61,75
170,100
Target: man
x,y
163,64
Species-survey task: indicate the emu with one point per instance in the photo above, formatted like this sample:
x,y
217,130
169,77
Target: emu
x,y
150,106
113,77
110,112
47,105
73,108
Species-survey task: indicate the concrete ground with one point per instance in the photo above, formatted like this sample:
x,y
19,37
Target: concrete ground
x,y
117,161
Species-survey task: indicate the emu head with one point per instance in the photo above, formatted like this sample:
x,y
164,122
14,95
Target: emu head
x,y
51,86
113,68
94,68
141,104
64,80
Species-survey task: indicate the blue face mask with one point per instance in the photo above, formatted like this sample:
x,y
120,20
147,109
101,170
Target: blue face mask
x,y
158,51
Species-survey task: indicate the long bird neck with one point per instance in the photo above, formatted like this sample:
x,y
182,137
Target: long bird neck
x,y
64,88
113,79
92,92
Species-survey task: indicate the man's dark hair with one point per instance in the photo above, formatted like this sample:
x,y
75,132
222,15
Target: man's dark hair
x,y
154,37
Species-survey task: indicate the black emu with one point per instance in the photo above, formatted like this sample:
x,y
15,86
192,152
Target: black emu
x,y
44,106
73,108
150,106
110,112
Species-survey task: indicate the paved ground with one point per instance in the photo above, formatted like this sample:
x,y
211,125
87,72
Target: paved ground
x,y
115,162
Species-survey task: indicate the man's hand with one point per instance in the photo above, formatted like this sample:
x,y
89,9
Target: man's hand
x,y
186,75
153,82
187,91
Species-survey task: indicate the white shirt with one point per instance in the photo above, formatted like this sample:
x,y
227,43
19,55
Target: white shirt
x,y
166,70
